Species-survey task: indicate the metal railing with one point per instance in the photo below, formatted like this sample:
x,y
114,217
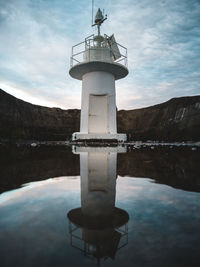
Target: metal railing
x,y
89,43
75,233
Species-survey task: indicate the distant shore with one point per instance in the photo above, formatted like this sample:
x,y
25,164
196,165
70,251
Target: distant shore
x,y
177,120
134,144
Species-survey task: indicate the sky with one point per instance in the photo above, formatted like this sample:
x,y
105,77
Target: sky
x,y
162,38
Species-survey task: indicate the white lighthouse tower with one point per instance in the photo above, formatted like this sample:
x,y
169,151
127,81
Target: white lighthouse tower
x,y
98,61
100,227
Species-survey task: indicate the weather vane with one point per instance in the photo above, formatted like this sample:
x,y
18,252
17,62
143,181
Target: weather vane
x,y
99,19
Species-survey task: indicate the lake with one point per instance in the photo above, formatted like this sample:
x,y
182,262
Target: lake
x,y
99,206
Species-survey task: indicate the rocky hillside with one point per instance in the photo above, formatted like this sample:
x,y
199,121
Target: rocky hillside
x,y
22,120
175,120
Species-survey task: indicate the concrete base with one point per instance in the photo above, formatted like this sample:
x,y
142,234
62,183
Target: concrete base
x,y
100,149
100,136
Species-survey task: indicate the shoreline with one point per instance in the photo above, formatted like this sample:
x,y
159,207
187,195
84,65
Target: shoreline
x,y
134,144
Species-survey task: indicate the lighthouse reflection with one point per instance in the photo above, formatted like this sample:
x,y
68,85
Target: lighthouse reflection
x,y
98,228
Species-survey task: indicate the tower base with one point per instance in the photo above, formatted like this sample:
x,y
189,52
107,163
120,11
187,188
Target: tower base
x,y
101,136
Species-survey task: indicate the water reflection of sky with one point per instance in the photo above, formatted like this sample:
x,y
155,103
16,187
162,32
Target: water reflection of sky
x,y
163,225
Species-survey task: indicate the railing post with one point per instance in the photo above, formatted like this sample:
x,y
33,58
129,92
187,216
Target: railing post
x,y
72,57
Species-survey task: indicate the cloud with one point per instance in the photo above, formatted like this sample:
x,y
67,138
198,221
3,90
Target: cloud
x,y
162,38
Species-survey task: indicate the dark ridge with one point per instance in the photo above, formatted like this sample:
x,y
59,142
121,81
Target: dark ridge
x,y
20,120
175,120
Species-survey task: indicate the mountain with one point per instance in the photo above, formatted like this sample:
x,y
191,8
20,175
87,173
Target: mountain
x,y
175,120
20,120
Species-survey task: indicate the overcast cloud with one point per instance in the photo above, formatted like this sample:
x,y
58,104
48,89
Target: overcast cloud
x,y
162,37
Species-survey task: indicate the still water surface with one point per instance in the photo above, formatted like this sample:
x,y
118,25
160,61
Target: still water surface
x,y
105,211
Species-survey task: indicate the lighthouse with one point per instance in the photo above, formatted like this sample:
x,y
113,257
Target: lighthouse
x,y
98,61
100,227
